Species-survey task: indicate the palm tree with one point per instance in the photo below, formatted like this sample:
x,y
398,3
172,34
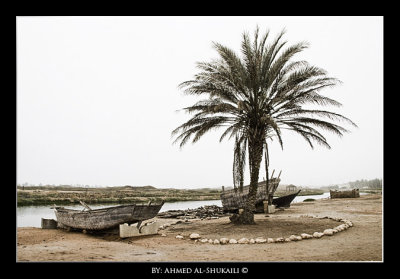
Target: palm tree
x,y
254,97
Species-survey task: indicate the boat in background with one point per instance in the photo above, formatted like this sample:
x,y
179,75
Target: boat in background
x,y
284,201
335,194
234,199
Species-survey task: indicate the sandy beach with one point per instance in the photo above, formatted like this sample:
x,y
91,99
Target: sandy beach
x,y
361,242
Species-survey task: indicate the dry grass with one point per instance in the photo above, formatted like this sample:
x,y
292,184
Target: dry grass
x,y
46,195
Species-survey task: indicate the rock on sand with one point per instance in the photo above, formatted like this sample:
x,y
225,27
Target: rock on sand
x,y
194,236
224,240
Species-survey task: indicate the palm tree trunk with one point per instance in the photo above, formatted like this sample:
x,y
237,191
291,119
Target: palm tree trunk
x,y
266,156
255,157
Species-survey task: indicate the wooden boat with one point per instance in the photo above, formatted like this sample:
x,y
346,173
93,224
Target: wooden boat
x,y
232,200
284,201
335,194
105,218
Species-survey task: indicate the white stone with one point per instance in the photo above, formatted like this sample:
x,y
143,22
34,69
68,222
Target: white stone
x,y
270,240
210,241
279,239
292,237
260,240
328,232
298,238
163,234
194,236
271,209
252,241
287,239
224,240
243,241
126,230
216,241
305,236
179,237
335,230
317,234
232,241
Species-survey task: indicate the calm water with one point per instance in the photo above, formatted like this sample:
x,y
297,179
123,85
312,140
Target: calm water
x,y
315,197
31,216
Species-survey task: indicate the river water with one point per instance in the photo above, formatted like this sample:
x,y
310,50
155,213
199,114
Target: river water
x,y
31,216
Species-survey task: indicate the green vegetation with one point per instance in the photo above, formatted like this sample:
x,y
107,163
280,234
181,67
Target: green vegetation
x,y
308,200
64,195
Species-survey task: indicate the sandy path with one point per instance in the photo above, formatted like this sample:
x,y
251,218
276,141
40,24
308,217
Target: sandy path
x,y
362,242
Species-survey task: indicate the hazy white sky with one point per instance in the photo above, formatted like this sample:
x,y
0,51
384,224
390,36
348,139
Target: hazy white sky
x,y
97,99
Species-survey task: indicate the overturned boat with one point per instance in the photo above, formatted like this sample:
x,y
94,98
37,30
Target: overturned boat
x,y
233,199
105,218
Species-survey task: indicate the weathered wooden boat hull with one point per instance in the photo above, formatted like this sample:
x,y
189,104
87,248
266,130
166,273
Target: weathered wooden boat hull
x,y
355,193
105,218
233,200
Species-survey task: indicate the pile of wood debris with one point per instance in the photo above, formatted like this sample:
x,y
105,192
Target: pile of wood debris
x,y
203,212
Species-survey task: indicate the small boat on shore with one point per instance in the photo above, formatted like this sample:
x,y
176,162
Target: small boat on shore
x,y
284,201
105,218
232,199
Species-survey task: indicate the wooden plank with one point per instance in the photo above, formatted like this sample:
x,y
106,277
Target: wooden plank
x,y
85,205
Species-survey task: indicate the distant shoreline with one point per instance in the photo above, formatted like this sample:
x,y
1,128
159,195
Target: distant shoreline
x,y
68,195
45,195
